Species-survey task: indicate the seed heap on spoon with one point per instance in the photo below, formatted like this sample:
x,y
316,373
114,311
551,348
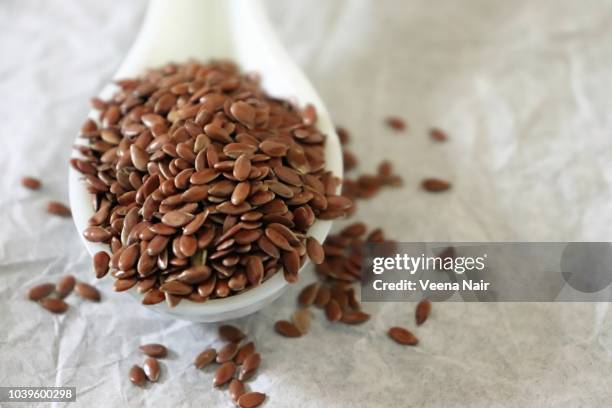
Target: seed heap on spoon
x,y
203,185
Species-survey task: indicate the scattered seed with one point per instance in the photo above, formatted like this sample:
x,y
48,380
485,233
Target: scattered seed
x,y
395,122
205,357
385,170
308,295
57,208
323,296
333,312
349,160
376,235
403,336
244,352
343,135
137,375
87,291
151,369
231,333
422,312
355,317
31,183
224,373
236,389
154,350
435,185
40,291
353,302
227,353
249,366
251,399
287,329
54,305
64,286
355,230
301,319
438,135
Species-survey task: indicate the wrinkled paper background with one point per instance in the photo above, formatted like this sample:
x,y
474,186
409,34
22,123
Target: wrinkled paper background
x,y
522,87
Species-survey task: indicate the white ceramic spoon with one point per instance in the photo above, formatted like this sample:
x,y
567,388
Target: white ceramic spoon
x,y
178,30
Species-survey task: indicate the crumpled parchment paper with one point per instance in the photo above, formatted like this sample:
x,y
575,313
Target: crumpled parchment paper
x,y
523,89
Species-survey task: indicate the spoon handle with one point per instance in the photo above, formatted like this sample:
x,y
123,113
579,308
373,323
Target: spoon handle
x,y
178,30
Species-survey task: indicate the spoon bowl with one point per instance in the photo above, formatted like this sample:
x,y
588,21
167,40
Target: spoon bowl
x,y
179,30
